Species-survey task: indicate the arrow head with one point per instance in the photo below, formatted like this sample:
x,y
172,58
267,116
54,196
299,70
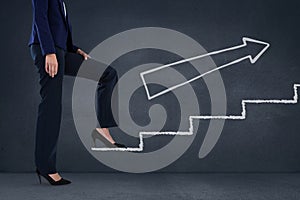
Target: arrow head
x,y
263,46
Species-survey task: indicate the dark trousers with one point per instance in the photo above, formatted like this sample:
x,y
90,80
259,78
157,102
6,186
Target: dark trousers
x,y
50,107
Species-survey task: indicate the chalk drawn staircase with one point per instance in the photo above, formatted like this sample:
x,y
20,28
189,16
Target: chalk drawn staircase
x,y
243,116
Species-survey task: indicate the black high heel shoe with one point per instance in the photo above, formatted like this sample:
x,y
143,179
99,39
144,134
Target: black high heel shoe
x,y
50,180
97,135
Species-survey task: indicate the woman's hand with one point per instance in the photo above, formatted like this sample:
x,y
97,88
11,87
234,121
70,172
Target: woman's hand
x,y
85,55
51,64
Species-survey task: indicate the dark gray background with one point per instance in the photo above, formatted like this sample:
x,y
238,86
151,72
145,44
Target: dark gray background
x,y
268,141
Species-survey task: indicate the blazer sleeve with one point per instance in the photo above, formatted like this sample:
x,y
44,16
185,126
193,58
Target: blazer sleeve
x,y
71,47
75,48
40,12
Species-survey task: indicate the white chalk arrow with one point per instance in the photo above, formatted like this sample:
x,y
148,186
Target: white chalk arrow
x,y
245,40
209,140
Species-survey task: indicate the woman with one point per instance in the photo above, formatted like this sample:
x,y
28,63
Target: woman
x,y
50,42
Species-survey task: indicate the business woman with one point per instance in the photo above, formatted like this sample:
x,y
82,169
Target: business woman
x,y
50,46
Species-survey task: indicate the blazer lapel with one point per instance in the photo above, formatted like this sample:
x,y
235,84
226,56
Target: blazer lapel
x,y
62,10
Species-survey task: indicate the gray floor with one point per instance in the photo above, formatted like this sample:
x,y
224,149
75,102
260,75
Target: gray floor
x,y
154,186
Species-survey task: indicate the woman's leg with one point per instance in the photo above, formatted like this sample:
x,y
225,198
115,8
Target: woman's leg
x,y
104,93
106,84
105,87
49,112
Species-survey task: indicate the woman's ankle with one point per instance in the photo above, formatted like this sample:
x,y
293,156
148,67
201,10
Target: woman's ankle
x,y
105,132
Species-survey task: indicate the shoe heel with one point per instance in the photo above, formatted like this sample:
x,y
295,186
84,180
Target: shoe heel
x,y
94,139
94,142
39,177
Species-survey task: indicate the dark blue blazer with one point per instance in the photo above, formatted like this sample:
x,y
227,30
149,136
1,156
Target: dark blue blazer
x,y
50,27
